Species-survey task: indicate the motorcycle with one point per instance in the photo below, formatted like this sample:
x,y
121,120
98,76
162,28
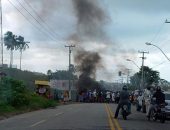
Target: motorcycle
x,y
124,111
158,113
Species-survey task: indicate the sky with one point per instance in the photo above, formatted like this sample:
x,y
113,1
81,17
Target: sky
x,y
125,28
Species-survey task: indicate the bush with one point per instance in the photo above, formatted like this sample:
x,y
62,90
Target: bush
x,y
4,108
14,96
37,102
5,91
13,92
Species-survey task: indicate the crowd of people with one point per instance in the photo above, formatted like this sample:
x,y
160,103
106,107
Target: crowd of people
x,y
140,98
99,96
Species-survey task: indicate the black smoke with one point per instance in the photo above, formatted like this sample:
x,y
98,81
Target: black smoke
x,y
87,62
91,19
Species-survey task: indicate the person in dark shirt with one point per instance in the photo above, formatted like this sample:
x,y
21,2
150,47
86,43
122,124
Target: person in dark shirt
x,y
159,95
124,99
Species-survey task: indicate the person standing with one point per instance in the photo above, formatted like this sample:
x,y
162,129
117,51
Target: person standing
x,y
108,96
147,99
113,97
139,101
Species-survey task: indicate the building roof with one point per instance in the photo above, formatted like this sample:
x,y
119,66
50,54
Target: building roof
x,y
40,82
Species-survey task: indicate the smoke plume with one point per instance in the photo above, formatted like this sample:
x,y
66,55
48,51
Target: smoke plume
x,y
87,62
90,22
91,19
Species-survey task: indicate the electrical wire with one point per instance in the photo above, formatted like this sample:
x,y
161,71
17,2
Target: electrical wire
x,y
158,64
35,12
39,29
44,27
158,32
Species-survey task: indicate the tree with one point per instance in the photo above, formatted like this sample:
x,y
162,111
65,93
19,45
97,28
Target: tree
x,y
150,77
49,74
135,81
63,75
22,46
165,85
10,43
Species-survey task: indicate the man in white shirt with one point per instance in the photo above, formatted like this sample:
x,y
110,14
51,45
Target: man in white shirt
x,y
147,98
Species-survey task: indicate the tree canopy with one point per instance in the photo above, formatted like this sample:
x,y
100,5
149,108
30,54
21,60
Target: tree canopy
x,y
150,77
61,75
13,42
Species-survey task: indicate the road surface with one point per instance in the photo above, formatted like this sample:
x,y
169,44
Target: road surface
x,y
85,116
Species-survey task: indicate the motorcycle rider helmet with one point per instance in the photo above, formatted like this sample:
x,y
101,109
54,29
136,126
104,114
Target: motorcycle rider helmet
x,y
124,87
148,87
158,88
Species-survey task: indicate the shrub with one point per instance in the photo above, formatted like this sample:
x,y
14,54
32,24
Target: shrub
x,y
14,96
4,108
13,92
37,102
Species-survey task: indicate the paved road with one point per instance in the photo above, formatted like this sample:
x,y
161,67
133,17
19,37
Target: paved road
x,y
88,116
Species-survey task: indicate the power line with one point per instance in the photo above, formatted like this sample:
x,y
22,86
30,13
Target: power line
x,y
158,32
158,64
35,12
49,33
164,42
22,14
28,19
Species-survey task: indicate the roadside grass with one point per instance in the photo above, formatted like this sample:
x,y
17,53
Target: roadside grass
x,y
6,108
36,102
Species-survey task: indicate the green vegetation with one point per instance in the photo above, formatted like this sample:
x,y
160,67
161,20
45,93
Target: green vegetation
x,y
26,76
6,108
15,97
151,77
37,102
61,75
14,42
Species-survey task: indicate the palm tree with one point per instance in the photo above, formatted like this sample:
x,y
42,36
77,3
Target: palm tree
x,y
10,43
22,46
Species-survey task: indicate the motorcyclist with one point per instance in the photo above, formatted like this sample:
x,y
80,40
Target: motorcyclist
x,y
159,95
124,100
160,99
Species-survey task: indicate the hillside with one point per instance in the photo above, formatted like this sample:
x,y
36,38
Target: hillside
x,y
27,77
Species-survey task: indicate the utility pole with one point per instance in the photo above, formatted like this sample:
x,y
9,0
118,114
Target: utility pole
x,y
143,58
128,73
70,46
1,34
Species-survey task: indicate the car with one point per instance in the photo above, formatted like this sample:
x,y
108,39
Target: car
x,y
167,107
